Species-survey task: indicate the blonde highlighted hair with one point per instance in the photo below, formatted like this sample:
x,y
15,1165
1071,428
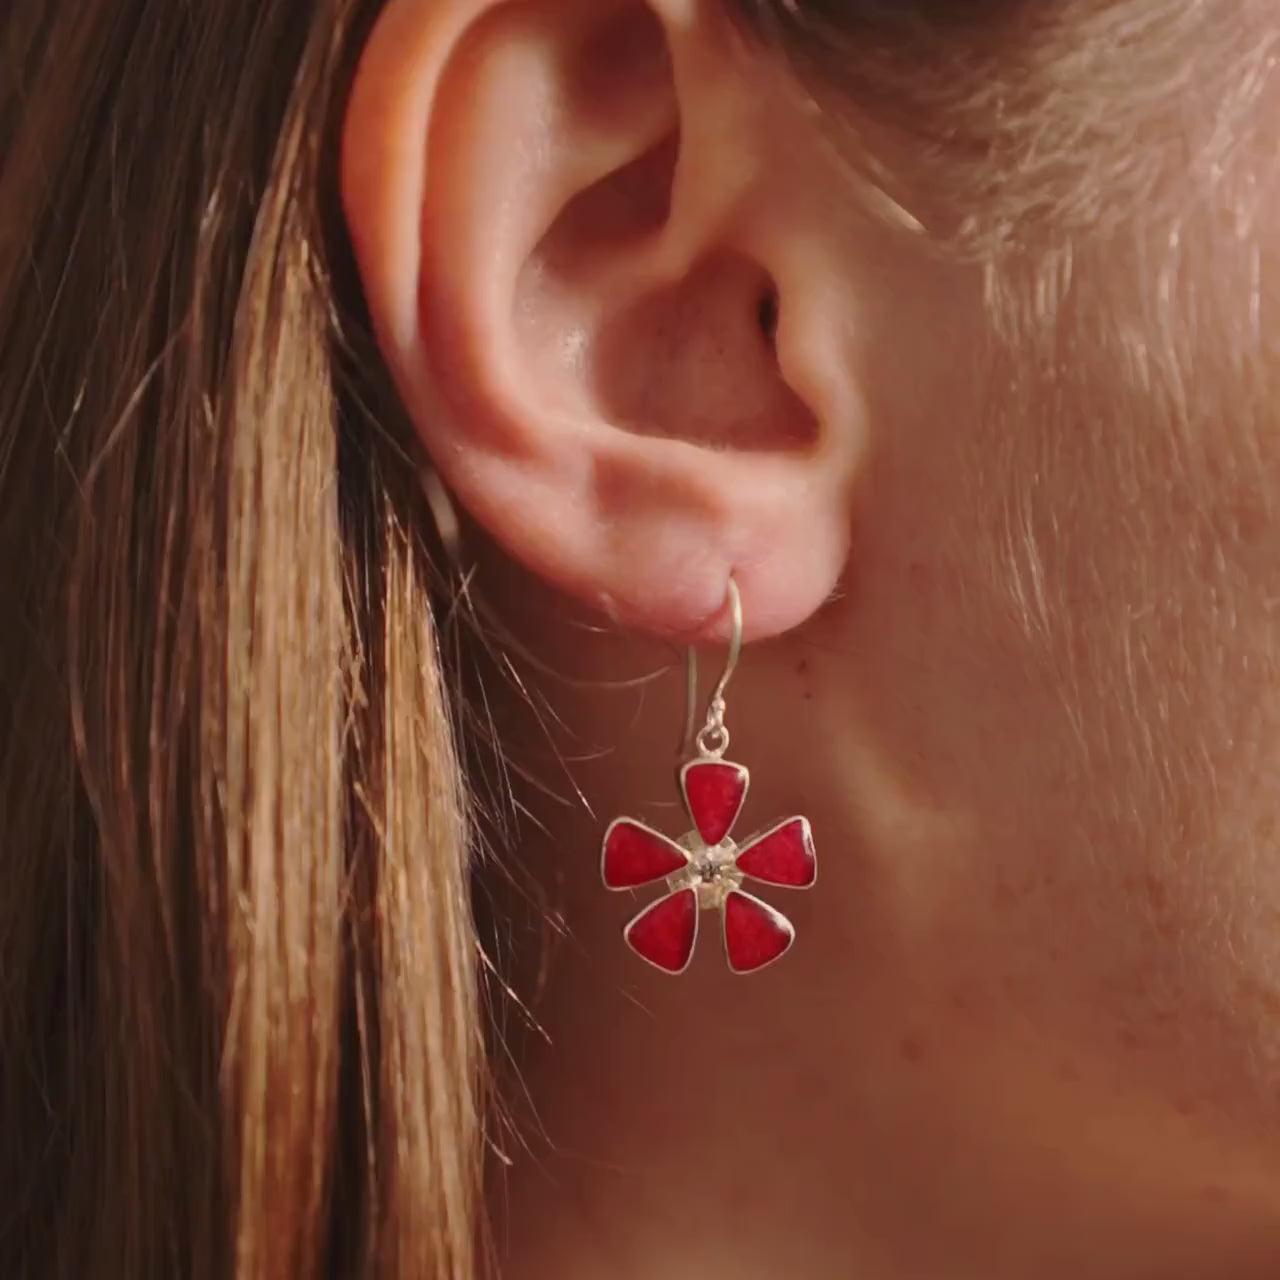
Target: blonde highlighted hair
x,y
238,1011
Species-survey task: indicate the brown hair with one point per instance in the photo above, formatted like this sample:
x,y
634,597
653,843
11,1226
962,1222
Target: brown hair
x,y
240,1024
1043,121
238,1013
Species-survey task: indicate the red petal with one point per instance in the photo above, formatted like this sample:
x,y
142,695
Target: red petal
x,y
783,855
664,933
754,933
634,855
714,792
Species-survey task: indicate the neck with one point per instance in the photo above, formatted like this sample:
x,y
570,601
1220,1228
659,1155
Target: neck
x,y
861,1108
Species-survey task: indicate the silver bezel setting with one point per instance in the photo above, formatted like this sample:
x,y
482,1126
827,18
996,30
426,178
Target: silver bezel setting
x,y
648,830
746,846
693,945
702,762
774,914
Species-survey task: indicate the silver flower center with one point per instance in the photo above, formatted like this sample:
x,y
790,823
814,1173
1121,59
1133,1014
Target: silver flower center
x,y
711,871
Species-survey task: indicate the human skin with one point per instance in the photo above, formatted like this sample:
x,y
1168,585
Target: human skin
x,y
1010,570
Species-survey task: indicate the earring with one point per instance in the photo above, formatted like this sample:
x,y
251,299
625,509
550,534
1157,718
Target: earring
x,y
705,869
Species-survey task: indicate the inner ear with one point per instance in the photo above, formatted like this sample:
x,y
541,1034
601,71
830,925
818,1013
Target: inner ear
x,y
692,357
709,372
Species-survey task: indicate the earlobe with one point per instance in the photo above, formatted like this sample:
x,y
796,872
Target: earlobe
x,y
585,279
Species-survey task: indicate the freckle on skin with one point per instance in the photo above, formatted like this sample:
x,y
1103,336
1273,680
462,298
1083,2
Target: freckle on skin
x,y
971,1004
1249,988
1157,894
913,1047
1012,988
802,670
1003,898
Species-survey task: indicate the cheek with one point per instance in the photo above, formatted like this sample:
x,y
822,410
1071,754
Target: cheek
x,y
1062,675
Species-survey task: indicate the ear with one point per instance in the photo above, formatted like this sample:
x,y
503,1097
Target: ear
x,y
593,270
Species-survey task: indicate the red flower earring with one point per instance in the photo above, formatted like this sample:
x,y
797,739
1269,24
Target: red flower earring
x,y
705,869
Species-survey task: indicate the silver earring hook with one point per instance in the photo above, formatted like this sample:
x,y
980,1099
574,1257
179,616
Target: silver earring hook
x,y
713,740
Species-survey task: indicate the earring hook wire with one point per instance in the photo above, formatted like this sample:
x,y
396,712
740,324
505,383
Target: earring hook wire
x,y
714,738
